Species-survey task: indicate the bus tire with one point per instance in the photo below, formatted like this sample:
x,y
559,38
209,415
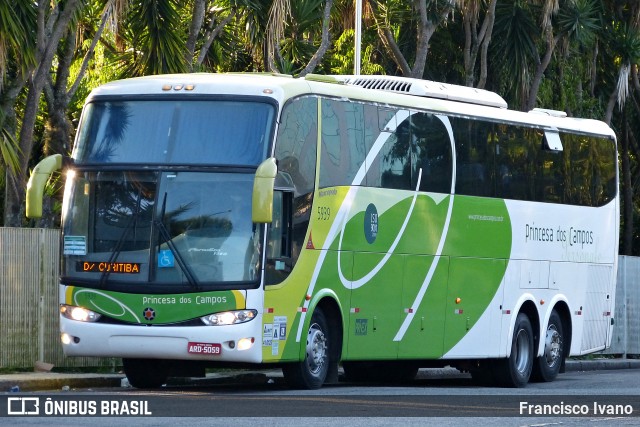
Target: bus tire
x,y
311,372
547,366
145,373
515,370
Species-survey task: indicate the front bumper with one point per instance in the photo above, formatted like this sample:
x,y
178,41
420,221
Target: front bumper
x,y
161,342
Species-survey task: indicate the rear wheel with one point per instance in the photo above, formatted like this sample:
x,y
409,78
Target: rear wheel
x,y
515,370
547,366
146,373
312,371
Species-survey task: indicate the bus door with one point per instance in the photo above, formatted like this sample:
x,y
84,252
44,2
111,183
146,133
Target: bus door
x,y
424,290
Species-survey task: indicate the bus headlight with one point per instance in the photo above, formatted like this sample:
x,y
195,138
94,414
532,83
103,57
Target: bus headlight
x,y
229,317
78,313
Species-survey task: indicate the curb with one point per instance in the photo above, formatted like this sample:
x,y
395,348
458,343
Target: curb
x,y
54,381
601,364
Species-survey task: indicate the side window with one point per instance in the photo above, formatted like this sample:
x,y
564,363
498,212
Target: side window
x,y
379,124
280,259
550,183
343,151
296,144
589,169
518,156
605,176
475,147
526,169
431,154
391,167
295,153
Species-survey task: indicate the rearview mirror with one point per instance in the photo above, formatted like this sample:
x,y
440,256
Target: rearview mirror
x,y
38,179
262,197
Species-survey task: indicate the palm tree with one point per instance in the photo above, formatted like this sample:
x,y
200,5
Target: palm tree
x,y
619,64
292,32
477,38
17,23
399,21
155,38
48,33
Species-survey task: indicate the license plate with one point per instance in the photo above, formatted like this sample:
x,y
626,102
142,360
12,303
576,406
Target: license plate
x,y
204,348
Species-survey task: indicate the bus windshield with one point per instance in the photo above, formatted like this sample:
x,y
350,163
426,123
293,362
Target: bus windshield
x,y
173,231
179,132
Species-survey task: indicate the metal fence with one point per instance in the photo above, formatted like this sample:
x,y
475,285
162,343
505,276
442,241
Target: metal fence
x,y
626,330
29,265
29,268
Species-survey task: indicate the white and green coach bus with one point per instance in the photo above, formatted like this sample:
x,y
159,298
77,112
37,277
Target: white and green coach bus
x,y
379,222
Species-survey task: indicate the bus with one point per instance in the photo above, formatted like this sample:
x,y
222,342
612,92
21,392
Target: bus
x,y
381,224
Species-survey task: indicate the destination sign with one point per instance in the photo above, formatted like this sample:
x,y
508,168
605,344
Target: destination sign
x,y
108,267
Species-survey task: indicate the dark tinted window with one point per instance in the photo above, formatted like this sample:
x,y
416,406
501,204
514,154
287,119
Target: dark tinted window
x,y
431,153
413,145
296,148
296,144
475,155
492,159
518,162
514,162
175,132
589,169
343,149
393,168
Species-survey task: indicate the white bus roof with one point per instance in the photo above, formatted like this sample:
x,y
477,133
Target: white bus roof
x,y
427,89
384,90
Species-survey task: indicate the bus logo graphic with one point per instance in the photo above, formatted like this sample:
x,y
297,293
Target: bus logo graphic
x,y
361,326
371,223
149,313
23,406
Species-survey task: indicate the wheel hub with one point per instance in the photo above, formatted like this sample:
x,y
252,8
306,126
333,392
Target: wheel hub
x,y
316,349
552,346
523,349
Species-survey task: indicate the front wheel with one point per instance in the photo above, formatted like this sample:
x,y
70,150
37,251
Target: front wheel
x,y
515,370
312,371
547,366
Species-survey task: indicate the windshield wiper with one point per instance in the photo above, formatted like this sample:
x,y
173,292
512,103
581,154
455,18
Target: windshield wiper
x,y
164,233
116,251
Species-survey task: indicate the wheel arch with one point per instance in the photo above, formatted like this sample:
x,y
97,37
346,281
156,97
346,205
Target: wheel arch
x,y
329,303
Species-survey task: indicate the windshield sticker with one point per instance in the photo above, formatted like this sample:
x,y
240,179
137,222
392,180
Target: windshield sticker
x,y
166,259
75,245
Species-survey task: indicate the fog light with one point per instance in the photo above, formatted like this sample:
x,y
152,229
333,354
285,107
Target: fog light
x,y
245,343
66,339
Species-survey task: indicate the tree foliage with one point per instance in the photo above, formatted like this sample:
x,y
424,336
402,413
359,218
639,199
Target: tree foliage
x,y
579,56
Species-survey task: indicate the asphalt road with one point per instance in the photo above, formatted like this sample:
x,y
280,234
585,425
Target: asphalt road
x,y
443,400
